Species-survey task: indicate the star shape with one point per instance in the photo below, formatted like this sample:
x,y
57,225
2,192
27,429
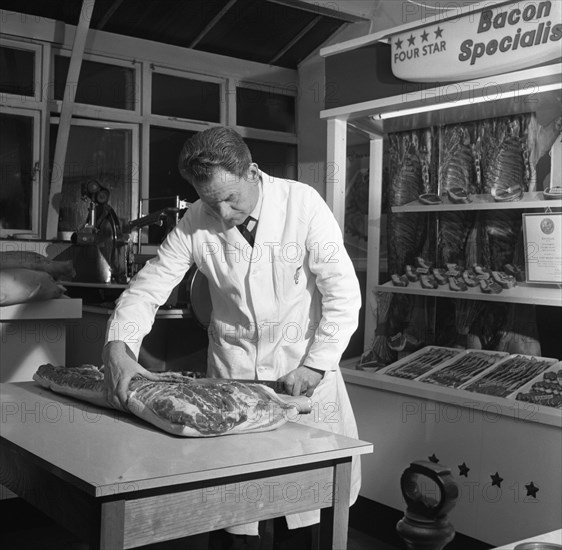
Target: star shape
x,y
433,458
463,469
496,480
439,33
411,40
398,44
532,490
424,36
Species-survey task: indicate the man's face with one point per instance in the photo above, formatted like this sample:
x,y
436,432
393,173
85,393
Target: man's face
x,y
230,197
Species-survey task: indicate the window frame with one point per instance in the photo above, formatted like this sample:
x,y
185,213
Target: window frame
x,y
18,99
260,133
135,146
92,110
170,60
163,120
34,232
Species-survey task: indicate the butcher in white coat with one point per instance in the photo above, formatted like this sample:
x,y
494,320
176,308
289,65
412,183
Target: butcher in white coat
x,y
285,297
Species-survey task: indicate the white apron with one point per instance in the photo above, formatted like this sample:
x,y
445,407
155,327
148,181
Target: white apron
x,y
291,300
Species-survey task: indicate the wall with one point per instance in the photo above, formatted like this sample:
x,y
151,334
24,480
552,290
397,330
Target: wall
x,y
312,131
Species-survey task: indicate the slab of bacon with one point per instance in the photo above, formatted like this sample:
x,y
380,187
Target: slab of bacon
x,y
179,404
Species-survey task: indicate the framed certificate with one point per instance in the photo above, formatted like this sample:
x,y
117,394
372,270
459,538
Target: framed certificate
x,y
543,247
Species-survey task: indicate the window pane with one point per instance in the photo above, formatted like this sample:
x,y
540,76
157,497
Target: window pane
x,y
185,98
16,171
100,154
17,69
165,180
275,159
265,110
98,84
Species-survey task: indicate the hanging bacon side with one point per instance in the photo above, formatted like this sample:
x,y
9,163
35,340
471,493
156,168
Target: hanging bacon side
x,y
405,231
505,174
456,172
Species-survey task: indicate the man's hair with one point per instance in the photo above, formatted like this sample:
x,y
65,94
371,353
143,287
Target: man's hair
x,y
212,149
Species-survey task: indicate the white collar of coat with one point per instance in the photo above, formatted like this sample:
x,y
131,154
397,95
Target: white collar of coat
x,y
256,212
272,214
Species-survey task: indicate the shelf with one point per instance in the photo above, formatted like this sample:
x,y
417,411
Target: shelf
x,y
175,313
521,294
93,285
58,308
529,201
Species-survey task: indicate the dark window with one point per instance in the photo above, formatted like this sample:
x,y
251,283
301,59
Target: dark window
x,y
94,153
17,69
265,110
165,180
185,98
275,159
16,171
98,84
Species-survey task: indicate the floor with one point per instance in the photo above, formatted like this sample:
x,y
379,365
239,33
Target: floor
x,y
24,528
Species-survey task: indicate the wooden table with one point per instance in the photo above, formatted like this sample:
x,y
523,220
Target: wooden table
x,y
117,482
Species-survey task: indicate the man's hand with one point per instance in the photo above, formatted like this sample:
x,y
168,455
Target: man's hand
x,y
120,366
302,380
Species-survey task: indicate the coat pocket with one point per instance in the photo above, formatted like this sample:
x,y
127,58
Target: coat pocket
x,y
289,279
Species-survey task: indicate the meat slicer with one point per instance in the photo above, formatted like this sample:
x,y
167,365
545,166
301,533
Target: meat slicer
x,y
99,244
104,246
167,217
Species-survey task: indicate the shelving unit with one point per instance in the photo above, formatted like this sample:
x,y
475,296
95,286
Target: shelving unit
x,y
513,93
411,420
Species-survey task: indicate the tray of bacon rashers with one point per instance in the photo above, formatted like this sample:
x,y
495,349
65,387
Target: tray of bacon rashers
x,y
420,362
545,389
463,367
508,375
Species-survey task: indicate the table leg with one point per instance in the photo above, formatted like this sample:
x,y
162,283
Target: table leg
x,y
112,525
334,520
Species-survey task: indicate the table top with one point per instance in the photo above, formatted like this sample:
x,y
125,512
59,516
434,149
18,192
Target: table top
x,y
106,452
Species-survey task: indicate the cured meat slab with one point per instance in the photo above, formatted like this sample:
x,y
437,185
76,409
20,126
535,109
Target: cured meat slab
x,y
420,362
179,404
509,375
462,368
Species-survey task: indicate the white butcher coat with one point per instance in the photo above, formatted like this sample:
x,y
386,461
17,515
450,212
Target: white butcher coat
x,y
291,300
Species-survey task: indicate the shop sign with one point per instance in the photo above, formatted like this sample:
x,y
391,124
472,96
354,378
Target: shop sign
x,y
543,245
490,41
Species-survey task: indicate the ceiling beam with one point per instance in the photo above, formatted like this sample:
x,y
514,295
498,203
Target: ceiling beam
x,y
295,39
320,10
212,23
107,15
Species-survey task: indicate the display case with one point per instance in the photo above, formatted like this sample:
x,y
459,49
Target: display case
x,y
504,451
514,93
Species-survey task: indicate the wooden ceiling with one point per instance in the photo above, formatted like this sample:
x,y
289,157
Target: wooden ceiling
x,y
276,32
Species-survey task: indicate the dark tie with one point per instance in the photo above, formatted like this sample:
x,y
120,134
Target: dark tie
x,y
247,234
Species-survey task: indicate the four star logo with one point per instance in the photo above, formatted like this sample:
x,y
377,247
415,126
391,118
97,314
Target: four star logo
x,y
424,38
